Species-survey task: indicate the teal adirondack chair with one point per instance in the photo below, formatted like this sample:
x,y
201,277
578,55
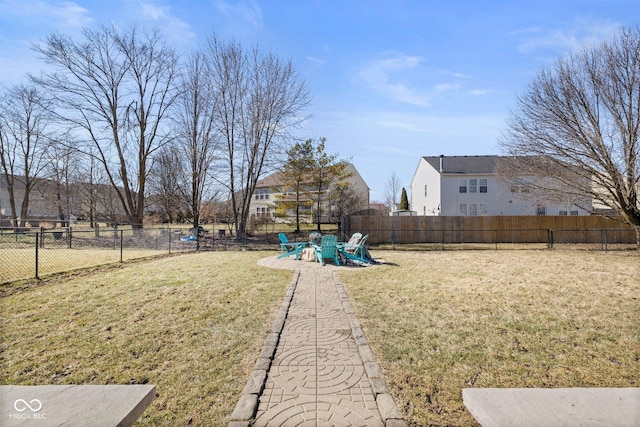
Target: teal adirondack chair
x,y
288,248
353,241
357,251
328,249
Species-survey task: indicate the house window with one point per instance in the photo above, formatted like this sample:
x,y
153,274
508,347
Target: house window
x,y
425,190
473,209
483,185
541,210
262,194
473,185
463,209
573,213
463,186
562,213
483,209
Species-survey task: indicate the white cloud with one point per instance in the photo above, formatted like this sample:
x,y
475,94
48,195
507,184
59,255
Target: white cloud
x,y
479,92
574,36
447,87
175,29
389,76
316,61
241,12
408,79
65,13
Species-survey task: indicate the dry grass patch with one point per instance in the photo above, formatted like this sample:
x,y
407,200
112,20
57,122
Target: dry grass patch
x,y
20,264
443,321
193,325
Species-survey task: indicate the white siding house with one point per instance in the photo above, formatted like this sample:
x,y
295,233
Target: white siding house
x,y
468,186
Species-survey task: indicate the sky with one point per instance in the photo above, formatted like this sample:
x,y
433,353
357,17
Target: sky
x,y
390,81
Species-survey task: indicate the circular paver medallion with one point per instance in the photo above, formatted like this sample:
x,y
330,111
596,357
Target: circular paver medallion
x,y
308,331
319,371
325,411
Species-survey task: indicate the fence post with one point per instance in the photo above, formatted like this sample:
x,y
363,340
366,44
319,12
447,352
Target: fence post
x,y
606,246
69,235
121,244
37,244
170,233
550,238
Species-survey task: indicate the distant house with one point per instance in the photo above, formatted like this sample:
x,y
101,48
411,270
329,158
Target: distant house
x,y
80,200
41,205
270,194
469,186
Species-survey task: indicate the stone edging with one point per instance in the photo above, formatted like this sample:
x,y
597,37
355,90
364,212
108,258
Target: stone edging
x,y
389,412
247,405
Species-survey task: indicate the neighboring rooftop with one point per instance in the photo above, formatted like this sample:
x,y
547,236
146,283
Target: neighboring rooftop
x,y
463,164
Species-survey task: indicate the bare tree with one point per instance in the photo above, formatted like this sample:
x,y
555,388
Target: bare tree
x,y
391,190
115,88
579,122
24,127
259,99
61,164
164,183
196,134
90,180
345,201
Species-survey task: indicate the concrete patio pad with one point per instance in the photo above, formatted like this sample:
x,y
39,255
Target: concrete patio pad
x,y
583,407
74,405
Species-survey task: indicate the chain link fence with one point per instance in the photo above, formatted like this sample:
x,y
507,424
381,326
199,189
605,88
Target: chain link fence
x,y
38,253
26,254
606,239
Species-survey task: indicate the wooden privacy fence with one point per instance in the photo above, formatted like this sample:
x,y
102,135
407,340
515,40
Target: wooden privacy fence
x,y
490,229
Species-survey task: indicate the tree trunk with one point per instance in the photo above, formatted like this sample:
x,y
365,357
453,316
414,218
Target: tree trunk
x,y
61,214
92,222
24,210
241,231
12,204
297,212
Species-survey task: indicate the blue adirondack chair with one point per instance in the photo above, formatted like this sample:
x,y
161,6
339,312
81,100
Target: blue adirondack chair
x,y
328,249
288,248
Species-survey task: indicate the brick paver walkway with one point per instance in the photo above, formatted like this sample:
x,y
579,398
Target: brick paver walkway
x,y
316,367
